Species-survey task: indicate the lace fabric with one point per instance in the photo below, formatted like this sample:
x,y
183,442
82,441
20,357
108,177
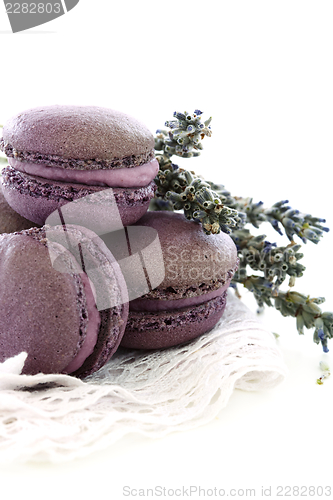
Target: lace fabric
x,y
55,418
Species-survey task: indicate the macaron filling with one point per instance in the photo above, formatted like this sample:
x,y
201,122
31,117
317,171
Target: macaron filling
x,y
154,305
118,177
94,321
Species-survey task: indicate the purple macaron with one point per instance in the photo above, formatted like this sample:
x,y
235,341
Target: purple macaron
x,y
63,300
59,154
11,221
192,297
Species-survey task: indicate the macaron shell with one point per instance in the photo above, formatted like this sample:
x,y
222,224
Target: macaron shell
x,y
170,328
113,323
41,308
10,220
195,263
36,198
80,132
111,291
44,310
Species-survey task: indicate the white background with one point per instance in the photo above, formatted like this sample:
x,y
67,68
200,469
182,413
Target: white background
x,y
263,70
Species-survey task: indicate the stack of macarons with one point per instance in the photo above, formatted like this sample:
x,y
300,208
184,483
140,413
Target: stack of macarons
x,y
85,173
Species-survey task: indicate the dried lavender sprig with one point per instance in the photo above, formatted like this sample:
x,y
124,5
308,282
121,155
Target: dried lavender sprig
x,y
305,226
258,285
170,178
172,181
188,192
185,135
308,314
294,222
202,204
305,309
276,263
261,255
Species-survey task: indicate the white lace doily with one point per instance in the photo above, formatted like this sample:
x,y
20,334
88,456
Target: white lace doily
x,y
57,417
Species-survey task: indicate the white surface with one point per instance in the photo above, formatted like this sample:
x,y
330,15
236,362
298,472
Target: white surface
x,y
150,394
263,70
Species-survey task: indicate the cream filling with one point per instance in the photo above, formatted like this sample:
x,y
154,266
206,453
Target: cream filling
x,y
94,321
155,305
118,177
